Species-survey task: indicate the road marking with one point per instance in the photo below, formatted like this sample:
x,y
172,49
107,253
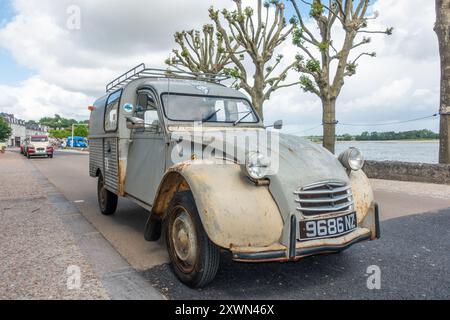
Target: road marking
x,y
79,201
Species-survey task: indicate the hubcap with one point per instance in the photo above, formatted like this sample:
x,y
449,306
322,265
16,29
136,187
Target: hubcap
x,y
184,240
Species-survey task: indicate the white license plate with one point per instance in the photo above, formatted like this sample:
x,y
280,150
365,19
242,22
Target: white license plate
x,y
327,228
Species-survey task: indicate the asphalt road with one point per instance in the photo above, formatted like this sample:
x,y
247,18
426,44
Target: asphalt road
x,y
413,254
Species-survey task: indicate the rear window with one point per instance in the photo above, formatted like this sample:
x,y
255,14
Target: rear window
x,y
112,111
39,139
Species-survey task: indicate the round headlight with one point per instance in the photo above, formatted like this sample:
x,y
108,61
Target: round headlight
x,y
352,159
257,165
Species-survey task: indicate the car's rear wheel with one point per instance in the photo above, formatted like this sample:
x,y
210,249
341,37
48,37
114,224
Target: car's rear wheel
x,y
107,200
195,259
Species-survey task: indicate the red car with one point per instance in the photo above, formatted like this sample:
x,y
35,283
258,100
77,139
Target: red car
x,y
38,146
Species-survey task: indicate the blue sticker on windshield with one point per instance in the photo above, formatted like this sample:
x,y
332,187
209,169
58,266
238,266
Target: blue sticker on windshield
x,y
127,107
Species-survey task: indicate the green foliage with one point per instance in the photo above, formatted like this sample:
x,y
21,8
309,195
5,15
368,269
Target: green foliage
x,y
323,47
297,34
248,11
345,137
79,131
316,9
60,134
62,128
384,136
306,84
5,130
232,72
313,65
407,135
57,122
351,68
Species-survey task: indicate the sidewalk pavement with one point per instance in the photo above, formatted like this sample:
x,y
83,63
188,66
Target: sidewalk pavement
x,y
44,241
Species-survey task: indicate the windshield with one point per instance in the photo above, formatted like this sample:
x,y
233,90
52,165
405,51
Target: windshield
x,y
39,139
189,108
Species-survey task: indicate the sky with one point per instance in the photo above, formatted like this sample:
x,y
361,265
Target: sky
x,y
48,67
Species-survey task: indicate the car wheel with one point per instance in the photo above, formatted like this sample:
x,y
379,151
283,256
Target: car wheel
x,y
106,199
195,259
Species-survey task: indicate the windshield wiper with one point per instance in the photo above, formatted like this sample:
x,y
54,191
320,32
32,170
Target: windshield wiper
x,y
243,118
211,115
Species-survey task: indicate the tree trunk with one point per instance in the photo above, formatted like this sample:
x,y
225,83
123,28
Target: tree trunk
x,y
258,91
329,124
442,29
258,102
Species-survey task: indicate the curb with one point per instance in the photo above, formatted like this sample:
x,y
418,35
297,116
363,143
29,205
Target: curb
x,y
120,280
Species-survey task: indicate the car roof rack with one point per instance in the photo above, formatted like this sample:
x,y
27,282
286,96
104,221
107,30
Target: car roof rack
x,y
141,71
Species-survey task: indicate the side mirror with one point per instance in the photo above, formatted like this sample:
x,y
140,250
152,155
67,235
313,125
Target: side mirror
x,y
278,125
135,123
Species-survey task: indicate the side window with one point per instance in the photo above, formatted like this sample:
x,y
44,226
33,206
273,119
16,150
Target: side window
x,y
147,110
112,111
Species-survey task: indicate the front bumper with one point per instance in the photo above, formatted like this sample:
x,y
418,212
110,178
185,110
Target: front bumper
x,y
310,248
40,153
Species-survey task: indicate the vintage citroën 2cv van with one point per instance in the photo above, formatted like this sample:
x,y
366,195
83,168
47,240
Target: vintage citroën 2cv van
x,y
144,146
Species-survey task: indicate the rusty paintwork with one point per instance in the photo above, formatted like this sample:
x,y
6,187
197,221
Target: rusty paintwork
x,y
247,216
362,194
122,177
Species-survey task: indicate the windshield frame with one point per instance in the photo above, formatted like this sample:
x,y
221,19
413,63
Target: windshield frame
x,y
163,107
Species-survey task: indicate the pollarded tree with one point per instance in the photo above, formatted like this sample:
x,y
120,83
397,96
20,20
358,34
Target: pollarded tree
x,y
202,52
325,65
258,34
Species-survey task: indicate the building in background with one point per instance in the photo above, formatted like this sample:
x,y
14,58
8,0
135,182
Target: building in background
x,y
20,130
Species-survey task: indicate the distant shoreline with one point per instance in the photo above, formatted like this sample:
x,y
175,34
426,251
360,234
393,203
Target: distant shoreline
x,y
391,141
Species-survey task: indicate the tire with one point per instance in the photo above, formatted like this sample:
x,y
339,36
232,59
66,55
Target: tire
x,y
195,259
107,200
50,156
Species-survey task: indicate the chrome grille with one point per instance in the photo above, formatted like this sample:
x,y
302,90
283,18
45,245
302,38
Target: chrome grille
x,y
323,198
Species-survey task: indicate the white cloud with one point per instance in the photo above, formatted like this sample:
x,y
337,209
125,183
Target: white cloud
x,y
72,66
35,98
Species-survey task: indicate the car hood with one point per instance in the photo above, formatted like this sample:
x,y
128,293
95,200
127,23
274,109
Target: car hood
x,y
300,162
40,144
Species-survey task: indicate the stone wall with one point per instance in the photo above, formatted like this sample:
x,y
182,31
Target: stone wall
x,y
406,171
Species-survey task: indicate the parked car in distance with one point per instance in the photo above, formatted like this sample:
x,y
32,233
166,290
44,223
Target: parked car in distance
x,y
78,142
38,146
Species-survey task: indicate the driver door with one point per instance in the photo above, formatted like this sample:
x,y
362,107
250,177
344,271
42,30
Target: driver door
x,y
147,151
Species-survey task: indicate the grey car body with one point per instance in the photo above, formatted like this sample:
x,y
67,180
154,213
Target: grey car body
x,y
255,221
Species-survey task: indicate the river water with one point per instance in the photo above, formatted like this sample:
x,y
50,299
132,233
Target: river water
x,y
407,151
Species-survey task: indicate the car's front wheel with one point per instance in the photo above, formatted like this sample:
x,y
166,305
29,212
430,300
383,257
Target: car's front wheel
x,y
195,259
107,200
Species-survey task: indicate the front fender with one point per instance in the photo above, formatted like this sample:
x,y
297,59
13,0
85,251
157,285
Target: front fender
x,y
365,205
234,211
